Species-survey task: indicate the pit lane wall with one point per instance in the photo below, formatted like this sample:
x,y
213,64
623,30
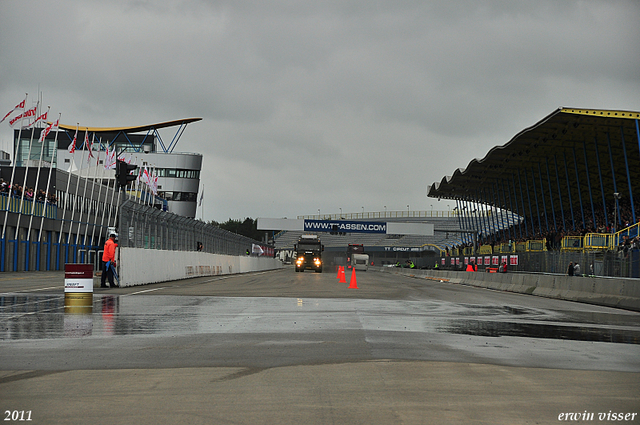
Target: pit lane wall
x,y
140,266
612,292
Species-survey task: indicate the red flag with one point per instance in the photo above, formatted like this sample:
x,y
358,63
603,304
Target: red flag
x,y
86,142
18,106
45,132
72,146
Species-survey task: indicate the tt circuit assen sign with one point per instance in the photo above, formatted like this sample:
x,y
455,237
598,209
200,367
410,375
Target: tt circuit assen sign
x,y
345,226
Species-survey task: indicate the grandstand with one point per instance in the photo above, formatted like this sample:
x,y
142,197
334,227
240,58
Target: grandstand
x,y
572,179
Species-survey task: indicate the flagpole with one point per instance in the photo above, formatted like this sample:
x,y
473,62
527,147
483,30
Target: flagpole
x,y
75,197
137,184
86,228
26,173
152,197
115,187
84,191
35,189
66,193
104,209
201,204
53,159
93,186
93,231
13,170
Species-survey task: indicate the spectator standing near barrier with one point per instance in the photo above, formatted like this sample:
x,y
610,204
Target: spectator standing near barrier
x,y
503,267
108,261
576,270
471,267
570,269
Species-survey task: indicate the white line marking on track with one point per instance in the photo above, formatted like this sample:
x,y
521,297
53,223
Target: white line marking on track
x,y
142,292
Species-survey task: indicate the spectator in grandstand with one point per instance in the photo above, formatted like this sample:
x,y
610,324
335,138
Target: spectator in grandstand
x,y
570,269
16,190
576,270
4,187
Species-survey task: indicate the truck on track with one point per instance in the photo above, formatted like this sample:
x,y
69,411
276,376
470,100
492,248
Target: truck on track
x,y
308,253
360,261
356,257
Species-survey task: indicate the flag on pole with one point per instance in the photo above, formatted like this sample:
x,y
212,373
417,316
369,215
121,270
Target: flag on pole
x,y
146,179
28,113
90,146
201,197
72,146
45,131
18,106
110,160
41,117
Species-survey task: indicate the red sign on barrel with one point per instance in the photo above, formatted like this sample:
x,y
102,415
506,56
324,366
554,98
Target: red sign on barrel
x,y
78,278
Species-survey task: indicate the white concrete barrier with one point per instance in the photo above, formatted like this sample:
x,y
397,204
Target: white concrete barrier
x,y
612,292
139,266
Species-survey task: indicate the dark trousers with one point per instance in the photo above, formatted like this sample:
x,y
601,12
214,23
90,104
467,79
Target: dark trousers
x,y
106,273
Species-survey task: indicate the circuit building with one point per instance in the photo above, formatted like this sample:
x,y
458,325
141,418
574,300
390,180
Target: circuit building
x,y
178,173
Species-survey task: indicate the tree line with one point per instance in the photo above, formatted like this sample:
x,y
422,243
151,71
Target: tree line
x,y
247,227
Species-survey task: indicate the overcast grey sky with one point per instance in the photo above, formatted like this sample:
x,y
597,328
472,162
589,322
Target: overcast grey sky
x,y
311,105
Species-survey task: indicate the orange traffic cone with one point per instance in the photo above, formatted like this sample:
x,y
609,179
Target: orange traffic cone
x,y
352,283
339,268
341,276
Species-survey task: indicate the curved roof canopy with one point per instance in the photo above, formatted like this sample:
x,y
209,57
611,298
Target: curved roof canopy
x,y
570,158
135,129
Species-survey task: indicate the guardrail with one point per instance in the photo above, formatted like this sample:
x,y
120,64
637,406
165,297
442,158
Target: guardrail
x,y
29,207
572,243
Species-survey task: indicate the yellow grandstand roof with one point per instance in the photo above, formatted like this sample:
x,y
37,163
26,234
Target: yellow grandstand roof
x,y
134,129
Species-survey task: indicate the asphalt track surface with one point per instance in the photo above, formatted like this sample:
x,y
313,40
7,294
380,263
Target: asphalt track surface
x,y
281,348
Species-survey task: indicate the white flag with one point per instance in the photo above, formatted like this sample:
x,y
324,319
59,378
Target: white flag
x,y
18,118
42,117
18,106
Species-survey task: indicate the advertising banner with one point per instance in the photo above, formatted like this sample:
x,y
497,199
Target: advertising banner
x,y
345,226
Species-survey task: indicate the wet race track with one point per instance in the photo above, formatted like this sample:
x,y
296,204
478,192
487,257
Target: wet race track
x,y
264,326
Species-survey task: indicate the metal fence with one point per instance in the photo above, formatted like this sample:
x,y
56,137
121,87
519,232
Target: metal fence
x,y
141,226
621,263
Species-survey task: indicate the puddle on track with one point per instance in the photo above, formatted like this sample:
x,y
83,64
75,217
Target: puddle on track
x,y
43,317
